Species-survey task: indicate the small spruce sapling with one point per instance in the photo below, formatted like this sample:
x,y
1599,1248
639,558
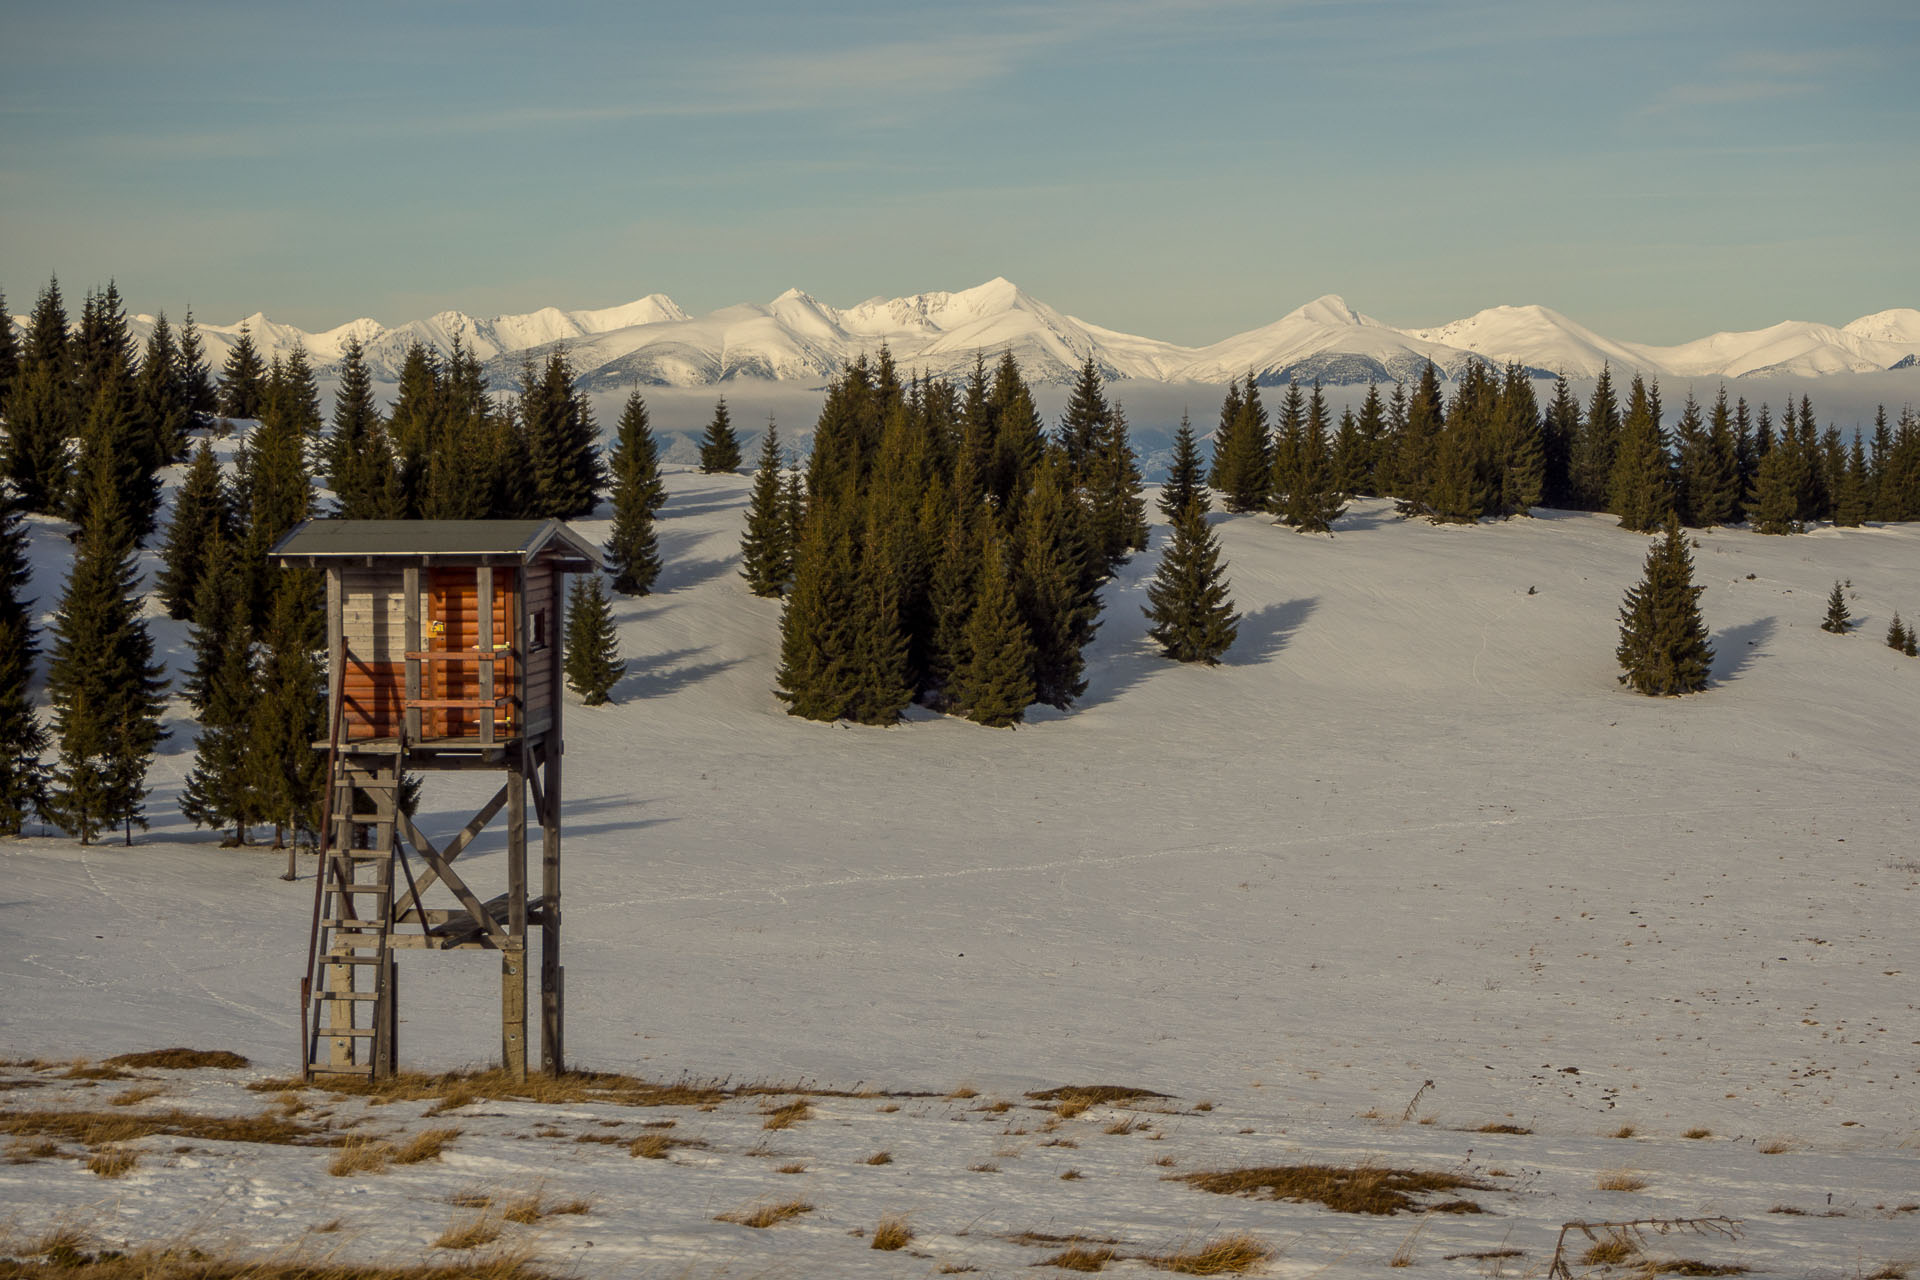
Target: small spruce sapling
x,y
593,653
1897,633
719,447
1838,619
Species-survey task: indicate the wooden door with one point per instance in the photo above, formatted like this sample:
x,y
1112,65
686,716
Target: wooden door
x,y
453,628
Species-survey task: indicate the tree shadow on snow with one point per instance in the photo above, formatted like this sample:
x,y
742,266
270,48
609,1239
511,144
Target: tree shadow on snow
x,y
1735,648
1264,631
660,674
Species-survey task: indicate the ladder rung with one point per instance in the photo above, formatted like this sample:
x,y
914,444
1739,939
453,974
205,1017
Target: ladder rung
x,y
364,855
353,922
346,1033
347,995
335,958
350,1069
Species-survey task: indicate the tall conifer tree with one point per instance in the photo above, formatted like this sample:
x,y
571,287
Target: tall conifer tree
x,y
1189,602
22,736
1243,451
1642,485
997,684
1663,646
1184,484
719,447
593,663
201,515
220,790
286,775
766,550
243,379
1590,467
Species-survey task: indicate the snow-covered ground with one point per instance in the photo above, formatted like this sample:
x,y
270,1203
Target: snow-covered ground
x,y
1412,830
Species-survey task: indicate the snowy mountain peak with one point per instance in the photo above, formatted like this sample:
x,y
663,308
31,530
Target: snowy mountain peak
x,y
1901,324
1328,308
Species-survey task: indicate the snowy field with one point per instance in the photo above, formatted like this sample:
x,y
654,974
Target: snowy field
x,y
1412,831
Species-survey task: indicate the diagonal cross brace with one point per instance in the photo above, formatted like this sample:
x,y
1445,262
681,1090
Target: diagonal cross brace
x,y
442,869
458,844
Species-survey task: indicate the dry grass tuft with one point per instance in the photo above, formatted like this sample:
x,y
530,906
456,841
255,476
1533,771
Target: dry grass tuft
x,y
181,1060
787,1115
983,1168
1074,1258
963,1092
458,1088
798,1166
425,1145
879,1157
1503,1128
471,1234
133,1097
97,1128
1777,1147
1226,1255
1698,1131
1344,1189
113,1162
360,1155
999,1106
656,1145
69,1255
1620,1180
25,1151
1068,1108
1892,1271
1072,1175
1127,1124
531,1209
1093,1094
892,1233
1624,1131
1694,1267
1610,1251
766,1215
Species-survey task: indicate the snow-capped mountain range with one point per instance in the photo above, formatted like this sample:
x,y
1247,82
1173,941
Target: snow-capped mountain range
x,y
797,338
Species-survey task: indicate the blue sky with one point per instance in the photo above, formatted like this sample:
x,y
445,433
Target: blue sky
x,y
1185,169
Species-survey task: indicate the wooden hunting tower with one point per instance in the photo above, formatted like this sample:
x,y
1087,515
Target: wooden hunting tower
x,y
443,653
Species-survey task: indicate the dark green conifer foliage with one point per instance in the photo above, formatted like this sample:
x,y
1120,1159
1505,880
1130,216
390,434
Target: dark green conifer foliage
x,y
1243,453
286,775
997,683
1708,465
278,495
1083,424
201,515
1115,495
1350,450
1642,484
221,789
566,469
472,464
359,460
1897,633
719,447
114,452
160,402
298,395
882,684
1189,602
9,355
194,377
633,547
1053,587
1832,466
1313,502
1663,641
103,349
766,548
1774,506
1184,485
413,422
950,596
103,682
1415,455
593,664
22,736
1518,446
43,411
1223,445
818,636
1816,503
1558,430
1017,439
1853,498
221,590
1838,619
1286,473
1897,492
243,379
1591,464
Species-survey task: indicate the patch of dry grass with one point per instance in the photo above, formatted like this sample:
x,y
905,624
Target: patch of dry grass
x,y
360,1155
181,1060
1611,1251
475,1232
97,1128
1072,1175
657,1145
983,1168
135,1096
787,1114
1624,1131
113,1162
1620,1180
1093,1094
1224,1255
879,1157
1503,1128
1362,1188
67,1254
423,1146
1697,1132
766,1215
1777,1147
530,1209
798,1166
892,1233
1126,1124
1075,1258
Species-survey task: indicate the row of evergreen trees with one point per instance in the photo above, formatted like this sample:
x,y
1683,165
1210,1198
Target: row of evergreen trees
x,y
1489,450
942,546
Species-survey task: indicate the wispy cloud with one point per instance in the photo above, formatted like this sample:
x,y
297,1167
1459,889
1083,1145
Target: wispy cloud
x,y
1756,76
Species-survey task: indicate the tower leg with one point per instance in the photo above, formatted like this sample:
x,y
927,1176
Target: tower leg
x,y
552,988
513,1009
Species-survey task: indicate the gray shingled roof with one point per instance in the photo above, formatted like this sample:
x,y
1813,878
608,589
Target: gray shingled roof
x,y
479,538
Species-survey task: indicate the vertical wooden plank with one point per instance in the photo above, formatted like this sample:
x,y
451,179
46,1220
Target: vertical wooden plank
x,y
484,646
392,1038
410,588
517,636
513,1009
340,1015
552,994
336,645
517,843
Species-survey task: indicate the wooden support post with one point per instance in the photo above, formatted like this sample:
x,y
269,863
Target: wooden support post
x,y
410,588
336,642
389,1010
513,1008
484,647
552,991
340,1015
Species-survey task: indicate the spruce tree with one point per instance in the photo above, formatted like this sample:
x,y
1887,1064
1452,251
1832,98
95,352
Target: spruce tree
x,y
201,515
997,684
221,789
1897,633
1774,505
1663,646
243,379
1853,498
1558,430
161,404
1641,490
1115,494
1189,603
285,775
766,550
1838,620
22,736
951,590
1591,459
593,663
1223,445
103,682
1053,587
43,411
818,631
566,470
1519,445
1184,485
633,549
1243,453
1083,424
882,685
1312,502
220,594
719,447
193,377
359,460
1416,448
1709,470
9,354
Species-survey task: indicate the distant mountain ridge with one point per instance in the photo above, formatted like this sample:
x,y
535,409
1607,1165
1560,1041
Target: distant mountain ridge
x,y
796,337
